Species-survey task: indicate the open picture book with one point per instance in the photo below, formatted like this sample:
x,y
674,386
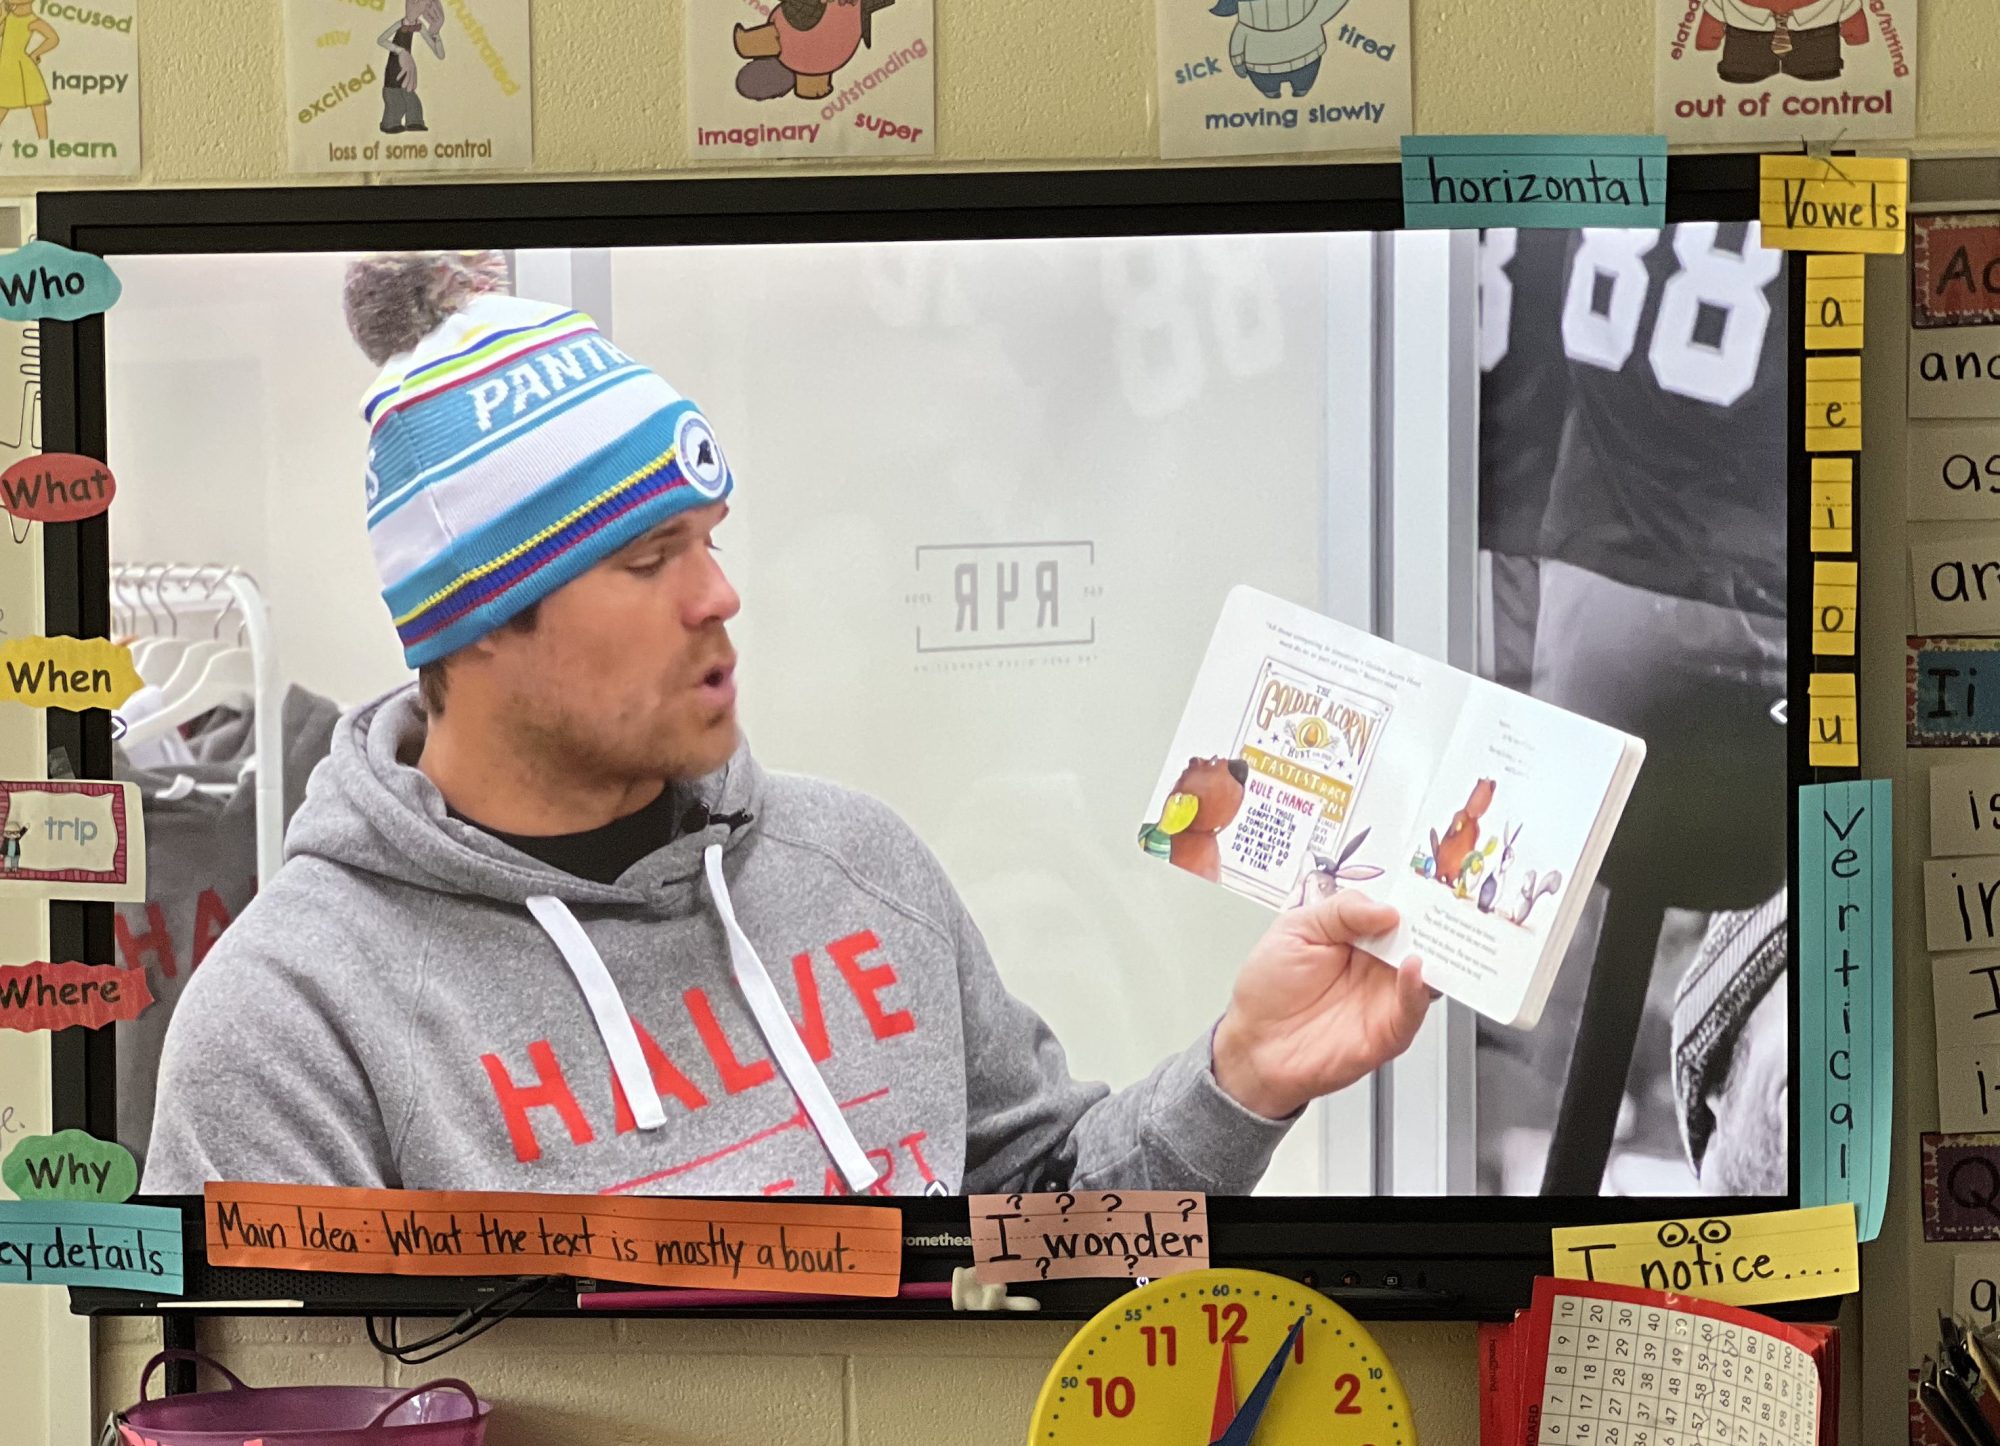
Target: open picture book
x,y
1314,757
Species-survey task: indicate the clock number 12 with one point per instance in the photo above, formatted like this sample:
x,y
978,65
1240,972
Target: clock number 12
x,y
1225,1328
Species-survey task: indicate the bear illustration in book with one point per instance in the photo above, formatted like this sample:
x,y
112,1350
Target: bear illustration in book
x,y
1205,801
1760,39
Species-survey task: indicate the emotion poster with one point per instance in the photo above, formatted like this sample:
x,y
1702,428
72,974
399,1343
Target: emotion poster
x,y
408,85
772,78
1786,70
1261,77
69,88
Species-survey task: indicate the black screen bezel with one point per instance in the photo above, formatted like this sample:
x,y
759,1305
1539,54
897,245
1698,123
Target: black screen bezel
x,y
1365,1240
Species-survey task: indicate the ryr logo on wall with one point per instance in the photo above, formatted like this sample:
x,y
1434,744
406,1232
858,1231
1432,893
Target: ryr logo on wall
x,y
1256,77
69,88
1786,70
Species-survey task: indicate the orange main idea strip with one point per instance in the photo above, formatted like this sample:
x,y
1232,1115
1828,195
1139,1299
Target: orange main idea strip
x,y
818,1249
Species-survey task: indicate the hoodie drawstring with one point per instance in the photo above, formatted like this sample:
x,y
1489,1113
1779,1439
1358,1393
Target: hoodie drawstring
x,y
607,1007
781,1036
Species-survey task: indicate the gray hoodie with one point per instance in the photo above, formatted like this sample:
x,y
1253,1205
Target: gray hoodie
x,y
414,1004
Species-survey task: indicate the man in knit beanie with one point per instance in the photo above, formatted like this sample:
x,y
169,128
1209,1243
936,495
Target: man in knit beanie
x,y
1732,1053
545,924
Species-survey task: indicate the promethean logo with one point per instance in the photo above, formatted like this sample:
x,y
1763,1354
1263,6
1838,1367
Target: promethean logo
x,y
938,1240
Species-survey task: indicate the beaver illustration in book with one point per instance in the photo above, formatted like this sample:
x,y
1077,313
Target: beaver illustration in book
x,y
1204,802
1462,837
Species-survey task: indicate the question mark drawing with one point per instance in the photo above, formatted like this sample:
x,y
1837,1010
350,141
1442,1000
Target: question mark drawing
x,y
1043,1266
1014,1201
1065,1200
1188,1208
1117,1203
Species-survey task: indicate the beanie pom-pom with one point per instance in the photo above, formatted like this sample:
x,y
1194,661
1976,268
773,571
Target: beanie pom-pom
x,y
396,299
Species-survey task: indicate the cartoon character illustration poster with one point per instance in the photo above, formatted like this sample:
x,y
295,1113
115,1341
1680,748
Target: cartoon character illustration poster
x,y
69,89
1256,77
771,78
407,85
1786,70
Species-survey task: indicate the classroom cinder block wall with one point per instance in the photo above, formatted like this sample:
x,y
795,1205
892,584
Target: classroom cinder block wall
x,y
1020,85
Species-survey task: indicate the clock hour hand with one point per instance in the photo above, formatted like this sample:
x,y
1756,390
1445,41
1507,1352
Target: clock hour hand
x,y
1243,1430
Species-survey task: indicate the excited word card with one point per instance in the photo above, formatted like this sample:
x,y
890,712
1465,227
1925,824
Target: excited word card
x,y
812,1249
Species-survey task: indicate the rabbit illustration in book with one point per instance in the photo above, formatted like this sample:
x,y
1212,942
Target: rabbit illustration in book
x,y
1462,837
1489,891
1533,888
1326,876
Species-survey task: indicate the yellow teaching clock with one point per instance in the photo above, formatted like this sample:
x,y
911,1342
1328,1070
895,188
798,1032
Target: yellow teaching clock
x,y
1222,1358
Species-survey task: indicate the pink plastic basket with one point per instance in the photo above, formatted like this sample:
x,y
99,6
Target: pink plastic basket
x,y
442,1413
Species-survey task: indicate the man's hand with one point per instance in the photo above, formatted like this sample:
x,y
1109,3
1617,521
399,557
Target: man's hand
x,y
1311,1013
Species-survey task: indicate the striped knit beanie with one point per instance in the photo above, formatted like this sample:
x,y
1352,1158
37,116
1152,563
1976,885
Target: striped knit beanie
x,y
1742,955
511,446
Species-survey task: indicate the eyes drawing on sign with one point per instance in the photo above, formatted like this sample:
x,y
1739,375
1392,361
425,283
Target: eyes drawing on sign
x,y
803,45
1762,39
402,110
1279,42
24,39
1203,802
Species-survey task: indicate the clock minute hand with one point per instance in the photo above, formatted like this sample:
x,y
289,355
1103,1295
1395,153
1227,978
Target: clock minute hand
x,y
1243,1430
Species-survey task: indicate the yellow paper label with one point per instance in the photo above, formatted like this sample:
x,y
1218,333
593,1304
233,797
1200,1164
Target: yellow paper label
x,y
1834,590
1833,739
1833,504
1835,203
1836,296
1735,1259
1833,404
1336,795
62,672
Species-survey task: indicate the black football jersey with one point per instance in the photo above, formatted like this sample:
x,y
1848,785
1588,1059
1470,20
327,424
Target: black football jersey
x,y
1672,474
1524,383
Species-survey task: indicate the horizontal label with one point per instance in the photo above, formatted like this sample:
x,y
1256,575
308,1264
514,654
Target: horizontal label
x,y
814,1249
1554,182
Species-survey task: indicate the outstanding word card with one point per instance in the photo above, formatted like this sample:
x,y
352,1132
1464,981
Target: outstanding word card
x,y
1738,1259
1090,1233
813,1249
